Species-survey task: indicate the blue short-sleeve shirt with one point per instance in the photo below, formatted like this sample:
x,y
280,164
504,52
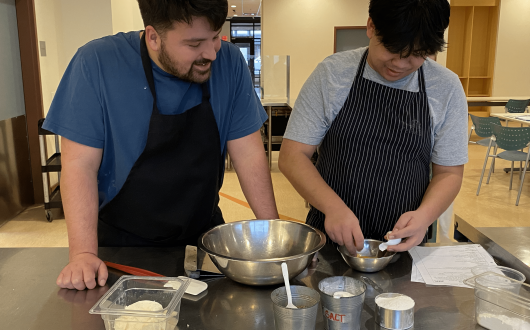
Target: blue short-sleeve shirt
x,y
104,101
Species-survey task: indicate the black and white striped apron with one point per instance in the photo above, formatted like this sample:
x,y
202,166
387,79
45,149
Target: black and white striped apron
x,y
376,155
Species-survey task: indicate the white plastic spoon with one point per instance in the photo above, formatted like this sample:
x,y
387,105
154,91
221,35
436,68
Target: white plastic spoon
x,y
287,286
385,245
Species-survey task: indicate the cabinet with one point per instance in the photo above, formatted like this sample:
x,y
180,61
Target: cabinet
x,y
471,46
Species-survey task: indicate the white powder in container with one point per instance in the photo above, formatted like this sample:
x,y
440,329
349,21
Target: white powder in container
x,y
138,322
342,294
501,322
398,303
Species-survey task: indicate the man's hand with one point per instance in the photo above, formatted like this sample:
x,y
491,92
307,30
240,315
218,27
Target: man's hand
x,y
80,273
342,226
79,189
442,190
412,227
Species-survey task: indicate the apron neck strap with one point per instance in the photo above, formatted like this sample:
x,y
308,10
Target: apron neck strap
x,y
148,68
421,79
362,64
205,92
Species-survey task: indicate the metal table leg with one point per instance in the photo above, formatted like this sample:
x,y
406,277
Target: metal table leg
x,y
228,162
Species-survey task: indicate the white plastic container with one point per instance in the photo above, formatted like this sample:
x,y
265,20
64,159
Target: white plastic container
x,y
500,283
497,308
131,289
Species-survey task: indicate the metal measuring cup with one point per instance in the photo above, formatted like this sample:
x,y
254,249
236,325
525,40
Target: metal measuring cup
x,y
393,318
342,313
388,318
304,317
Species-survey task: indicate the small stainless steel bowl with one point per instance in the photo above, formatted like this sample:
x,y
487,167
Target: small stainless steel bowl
x,y
374,260
252,251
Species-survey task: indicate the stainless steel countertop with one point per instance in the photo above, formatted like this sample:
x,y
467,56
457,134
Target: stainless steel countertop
x,y
31,300
510,246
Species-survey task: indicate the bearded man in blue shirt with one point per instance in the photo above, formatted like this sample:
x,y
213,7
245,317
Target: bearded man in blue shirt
x,y
146,120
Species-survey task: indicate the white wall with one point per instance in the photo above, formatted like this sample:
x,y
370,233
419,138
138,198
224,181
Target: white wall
x,y
300,28
126,16
304,30
66,25
45,11
512,61
81,21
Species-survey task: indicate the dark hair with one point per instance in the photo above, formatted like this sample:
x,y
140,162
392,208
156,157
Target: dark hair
x,y
161,14
411,27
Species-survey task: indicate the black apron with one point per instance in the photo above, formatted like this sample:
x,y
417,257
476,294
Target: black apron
x,y
171,194
377,153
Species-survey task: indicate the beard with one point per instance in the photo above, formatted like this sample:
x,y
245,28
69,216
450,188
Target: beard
x,y
192,74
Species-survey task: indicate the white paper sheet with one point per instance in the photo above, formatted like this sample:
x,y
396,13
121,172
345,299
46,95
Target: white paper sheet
x,y
415,275
448,265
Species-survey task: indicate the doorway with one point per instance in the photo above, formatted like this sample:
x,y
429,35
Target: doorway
x,y
349,37
16,184
245,33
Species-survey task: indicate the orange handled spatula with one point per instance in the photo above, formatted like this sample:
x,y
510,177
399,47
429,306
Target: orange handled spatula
x,y
132,270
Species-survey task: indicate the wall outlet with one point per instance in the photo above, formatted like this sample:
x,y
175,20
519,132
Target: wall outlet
x,y
42,45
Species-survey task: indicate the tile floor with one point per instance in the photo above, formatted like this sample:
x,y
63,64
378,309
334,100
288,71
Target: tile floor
x,y
495,207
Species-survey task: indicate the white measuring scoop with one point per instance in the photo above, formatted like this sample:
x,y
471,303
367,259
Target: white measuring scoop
x,y
285,273
385,245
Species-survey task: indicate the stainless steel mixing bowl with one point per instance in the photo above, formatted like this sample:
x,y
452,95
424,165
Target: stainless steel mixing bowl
x,y
376,260
252,251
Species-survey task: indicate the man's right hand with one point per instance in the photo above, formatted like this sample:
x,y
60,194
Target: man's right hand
x,y
80,273
342,226
79,190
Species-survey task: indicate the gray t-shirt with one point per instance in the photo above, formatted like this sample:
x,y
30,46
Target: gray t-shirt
x,y
326,90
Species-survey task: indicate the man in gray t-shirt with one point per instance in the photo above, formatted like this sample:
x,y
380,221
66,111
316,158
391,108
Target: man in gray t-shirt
x,y
380,116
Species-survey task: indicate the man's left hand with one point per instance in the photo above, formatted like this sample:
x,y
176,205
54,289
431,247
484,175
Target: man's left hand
x,y
411,228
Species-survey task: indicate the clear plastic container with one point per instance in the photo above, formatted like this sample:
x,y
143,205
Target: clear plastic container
x,y
131,289
497,307
499,283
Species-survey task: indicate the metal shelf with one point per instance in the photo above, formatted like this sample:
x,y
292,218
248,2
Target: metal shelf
x,y
52,200
55,199
274,139
269,139
53,164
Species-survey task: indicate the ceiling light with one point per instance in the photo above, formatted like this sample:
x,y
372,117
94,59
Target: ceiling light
x,y
233,6
235,14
